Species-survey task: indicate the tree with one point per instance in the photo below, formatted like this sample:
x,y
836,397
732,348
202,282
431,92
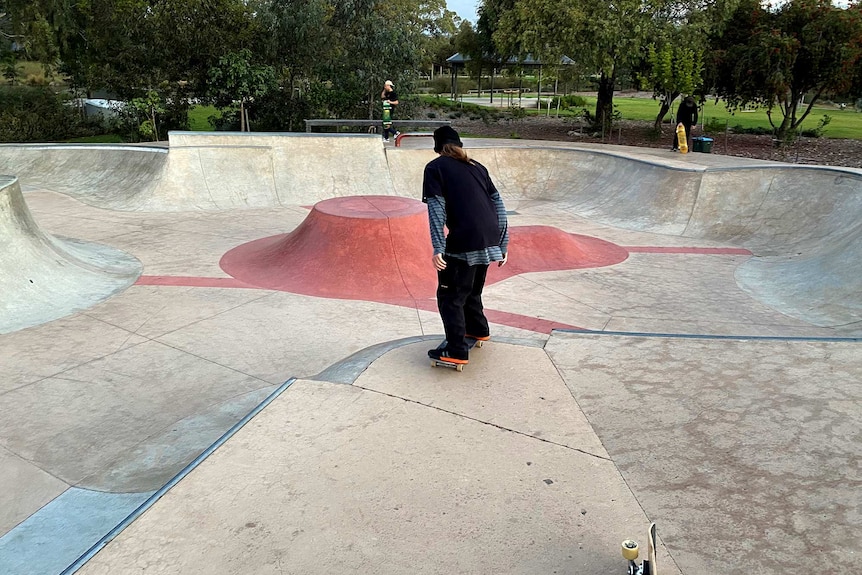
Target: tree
x,y
673,69
237,79
606,36
150,107
673,64
294,34
372,41
776,56
490,14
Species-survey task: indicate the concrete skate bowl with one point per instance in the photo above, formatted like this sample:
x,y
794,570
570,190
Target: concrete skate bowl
x,y
106,176
802,223
43,277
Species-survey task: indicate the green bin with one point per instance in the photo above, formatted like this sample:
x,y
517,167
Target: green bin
x,y
702,144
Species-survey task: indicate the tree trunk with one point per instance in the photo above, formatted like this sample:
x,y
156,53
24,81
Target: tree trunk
x,y
666,103
605,102
786,130
155,126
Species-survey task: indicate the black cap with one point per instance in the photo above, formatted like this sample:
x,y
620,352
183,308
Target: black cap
x,y
446,135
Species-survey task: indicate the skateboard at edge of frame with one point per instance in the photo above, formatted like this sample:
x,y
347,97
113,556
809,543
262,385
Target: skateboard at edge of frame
x,y
471,343
630,552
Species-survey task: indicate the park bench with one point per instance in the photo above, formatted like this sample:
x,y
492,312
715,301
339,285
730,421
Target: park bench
x,y
399,124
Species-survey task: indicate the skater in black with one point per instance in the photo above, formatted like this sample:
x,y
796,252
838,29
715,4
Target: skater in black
x,y
686,115
389,97
460,195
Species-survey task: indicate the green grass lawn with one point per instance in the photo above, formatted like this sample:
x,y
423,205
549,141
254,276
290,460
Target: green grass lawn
x,y
199,118
844,123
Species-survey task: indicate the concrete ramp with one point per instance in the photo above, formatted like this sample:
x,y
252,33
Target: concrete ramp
x,y
207,171
44,278
107,176
804,226
217,171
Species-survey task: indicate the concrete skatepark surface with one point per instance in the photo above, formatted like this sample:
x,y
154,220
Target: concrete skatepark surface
x,y
676,340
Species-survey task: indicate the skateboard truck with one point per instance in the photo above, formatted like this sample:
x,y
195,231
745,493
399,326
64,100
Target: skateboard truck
x,y
630,553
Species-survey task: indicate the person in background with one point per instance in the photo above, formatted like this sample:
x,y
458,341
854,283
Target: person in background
x,y
390,99
460,195
686,115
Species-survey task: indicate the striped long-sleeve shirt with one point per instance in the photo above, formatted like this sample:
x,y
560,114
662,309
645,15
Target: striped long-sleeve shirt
x,y
437,219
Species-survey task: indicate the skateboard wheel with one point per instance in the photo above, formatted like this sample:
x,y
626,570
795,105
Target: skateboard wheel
x,y
480,343
630,549
459,367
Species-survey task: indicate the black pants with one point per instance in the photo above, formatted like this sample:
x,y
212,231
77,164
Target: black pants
x,y
459,299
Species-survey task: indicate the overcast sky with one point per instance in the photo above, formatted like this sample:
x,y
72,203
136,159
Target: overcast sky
x,y
466,9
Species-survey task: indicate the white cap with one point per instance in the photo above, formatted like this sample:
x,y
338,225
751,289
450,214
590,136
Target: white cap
x,y
389,83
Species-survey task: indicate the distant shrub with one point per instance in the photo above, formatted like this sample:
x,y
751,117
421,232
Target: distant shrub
x,y
36,80
714,125
755,130
39,115
440,85
569,101
819,130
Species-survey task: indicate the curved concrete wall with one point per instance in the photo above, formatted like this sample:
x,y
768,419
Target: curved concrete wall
x,y
43,278
229,170
114,177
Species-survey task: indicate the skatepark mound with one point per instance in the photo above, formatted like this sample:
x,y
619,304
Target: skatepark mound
x,y
43,277
378,248
346,248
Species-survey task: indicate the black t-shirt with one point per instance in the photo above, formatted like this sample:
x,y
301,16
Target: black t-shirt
x,y
687,115
391,95
471,214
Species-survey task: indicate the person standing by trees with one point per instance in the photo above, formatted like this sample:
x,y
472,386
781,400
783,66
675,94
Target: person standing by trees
x,y
460,195
390,98
687,116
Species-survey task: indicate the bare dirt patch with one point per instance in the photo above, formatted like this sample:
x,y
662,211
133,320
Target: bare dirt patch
x,y
819,151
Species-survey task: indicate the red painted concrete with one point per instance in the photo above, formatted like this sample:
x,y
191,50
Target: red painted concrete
x,y
526,322
374,248
378,248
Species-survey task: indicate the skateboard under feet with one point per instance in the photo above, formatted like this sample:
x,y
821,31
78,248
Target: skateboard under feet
x,y
630,553
471,343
